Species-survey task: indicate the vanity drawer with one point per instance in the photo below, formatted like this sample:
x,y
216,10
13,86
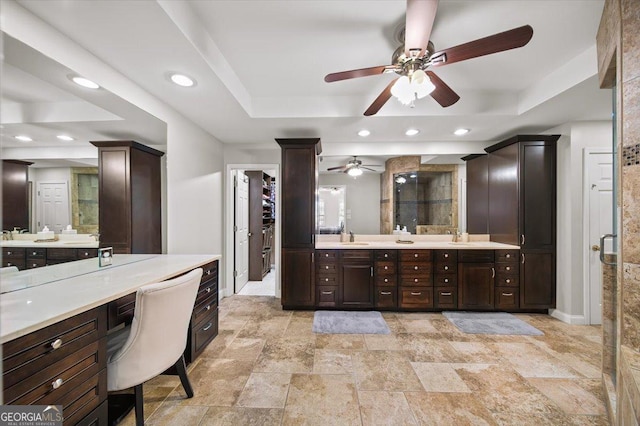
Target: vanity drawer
x,y
357,254
326,279
445,268
87,253
327,268
62,253
445,280
24,356
423,280
204,308
475,256
415,269
328,255
36,253
416,255
326,295
54,380
446,256
12,253
121,310
385,298
35,263
386,280
506,256
207,289
419,297
386,254
18,263
507,280
385,268
80,413
507,268
507,298
446,297
209,271
203,333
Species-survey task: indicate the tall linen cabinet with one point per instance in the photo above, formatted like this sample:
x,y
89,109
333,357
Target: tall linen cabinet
x,y
522,211
298,219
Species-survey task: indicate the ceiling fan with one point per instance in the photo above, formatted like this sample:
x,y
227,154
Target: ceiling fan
x,y
412,60
353,167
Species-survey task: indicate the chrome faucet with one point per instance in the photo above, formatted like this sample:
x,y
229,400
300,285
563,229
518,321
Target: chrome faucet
x,y
352,237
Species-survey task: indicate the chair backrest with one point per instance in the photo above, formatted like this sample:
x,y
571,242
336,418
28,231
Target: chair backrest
x,y
159,330
8,270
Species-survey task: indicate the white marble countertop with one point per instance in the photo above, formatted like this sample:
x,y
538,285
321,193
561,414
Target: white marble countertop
x,y
30,309
434,245
62,243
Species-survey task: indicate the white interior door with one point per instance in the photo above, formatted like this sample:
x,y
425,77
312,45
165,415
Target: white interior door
x,y
241,230
600,185
53,206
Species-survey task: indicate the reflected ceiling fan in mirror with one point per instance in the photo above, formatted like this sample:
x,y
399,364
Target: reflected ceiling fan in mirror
x,y
354,167
412,60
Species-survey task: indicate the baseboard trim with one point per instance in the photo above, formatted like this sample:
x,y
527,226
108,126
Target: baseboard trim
x,y
569,319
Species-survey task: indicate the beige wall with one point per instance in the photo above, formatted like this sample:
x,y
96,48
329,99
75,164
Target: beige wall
x,y
618,43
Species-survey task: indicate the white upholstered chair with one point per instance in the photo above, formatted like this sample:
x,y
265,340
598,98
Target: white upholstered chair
x,y
156,338
6,270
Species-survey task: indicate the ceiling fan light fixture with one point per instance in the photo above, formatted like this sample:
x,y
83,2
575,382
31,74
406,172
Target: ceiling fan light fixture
x,y
355,171
364,133
421,84
403,91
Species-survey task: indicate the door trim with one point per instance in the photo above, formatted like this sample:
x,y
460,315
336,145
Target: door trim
x,y
586,287
227,288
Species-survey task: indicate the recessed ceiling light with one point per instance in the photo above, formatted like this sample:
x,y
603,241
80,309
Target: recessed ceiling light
x,y
364,133
65,138
84,82
412,132
182,80
460,132
23,138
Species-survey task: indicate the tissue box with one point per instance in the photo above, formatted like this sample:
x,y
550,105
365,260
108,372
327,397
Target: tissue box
x,y
46,235
69,231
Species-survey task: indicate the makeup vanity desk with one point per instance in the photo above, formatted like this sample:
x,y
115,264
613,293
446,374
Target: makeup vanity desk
x,y
54,323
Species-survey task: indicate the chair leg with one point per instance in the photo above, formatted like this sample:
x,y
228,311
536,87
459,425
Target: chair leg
x,y
184,379
139,405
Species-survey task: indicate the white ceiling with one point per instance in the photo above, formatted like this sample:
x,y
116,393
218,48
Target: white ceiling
x,y
259,67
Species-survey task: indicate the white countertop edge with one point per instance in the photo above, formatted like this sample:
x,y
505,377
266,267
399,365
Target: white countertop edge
x,y
11,328
434,245
50,244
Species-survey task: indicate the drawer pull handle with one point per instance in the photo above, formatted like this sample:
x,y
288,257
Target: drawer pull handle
x,y
507,294
522,254
507,255
493,272
326,280
446,255
415,255
57,383
415,267
386,255
415,280
448,293
416,293
208,272
56,344
207,327
327,293
208,307
446,268
508,268
208,289
446,280
507,281
386,280
385,293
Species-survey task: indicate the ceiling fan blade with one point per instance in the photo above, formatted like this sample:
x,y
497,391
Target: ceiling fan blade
x,y
362,72
443,94
367,168
418,25
500,42
337,168
380,100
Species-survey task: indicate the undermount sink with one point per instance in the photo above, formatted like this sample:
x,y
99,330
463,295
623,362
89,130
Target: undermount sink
x,y
354,243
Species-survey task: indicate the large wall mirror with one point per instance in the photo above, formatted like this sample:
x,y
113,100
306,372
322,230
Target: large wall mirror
x,y
59,118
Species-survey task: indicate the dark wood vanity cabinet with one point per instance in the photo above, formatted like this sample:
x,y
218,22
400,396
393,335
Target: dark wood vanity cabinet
x,y
15,194
298,188
445,279
522,211
356,282
476,275
385,279
36,257
415,279
130,197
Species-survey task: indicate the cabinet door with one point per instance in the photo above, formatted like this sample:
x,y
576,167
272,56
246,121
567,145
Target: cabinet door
x,y
297,277
356,280
537,281
298,191
475,285
537,196
478,195
503,195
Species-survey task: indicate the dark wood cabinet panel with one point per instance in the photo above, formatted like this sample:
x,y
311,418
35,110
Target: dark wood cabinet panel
x,y
476,286
477,194
298,282
356,284
415,298
327,296
507,298
15,194
385,298
130,197
503,195
446,298
537,280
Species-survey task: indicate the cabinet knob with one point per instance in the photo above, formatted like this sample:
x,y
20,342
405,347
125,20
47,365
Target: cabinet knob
x,y
446,280
8,253
86,253
446,255
33,265
386,267
326,267
386,255
415,280
326,279
446,268
507,255
326,255
508,268
208,307
34,253
507,281
208,289
415,267
386,280
57,383
208,272
56,344
9,263
415,255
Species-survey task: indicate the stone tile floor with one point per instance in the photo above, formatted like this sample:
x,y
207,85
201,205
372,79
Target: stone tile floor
x,y
267,367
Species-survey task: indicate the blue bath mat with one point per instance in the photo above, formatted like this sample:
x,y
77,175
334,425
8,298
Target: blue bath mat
x,y
349,322
491,323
